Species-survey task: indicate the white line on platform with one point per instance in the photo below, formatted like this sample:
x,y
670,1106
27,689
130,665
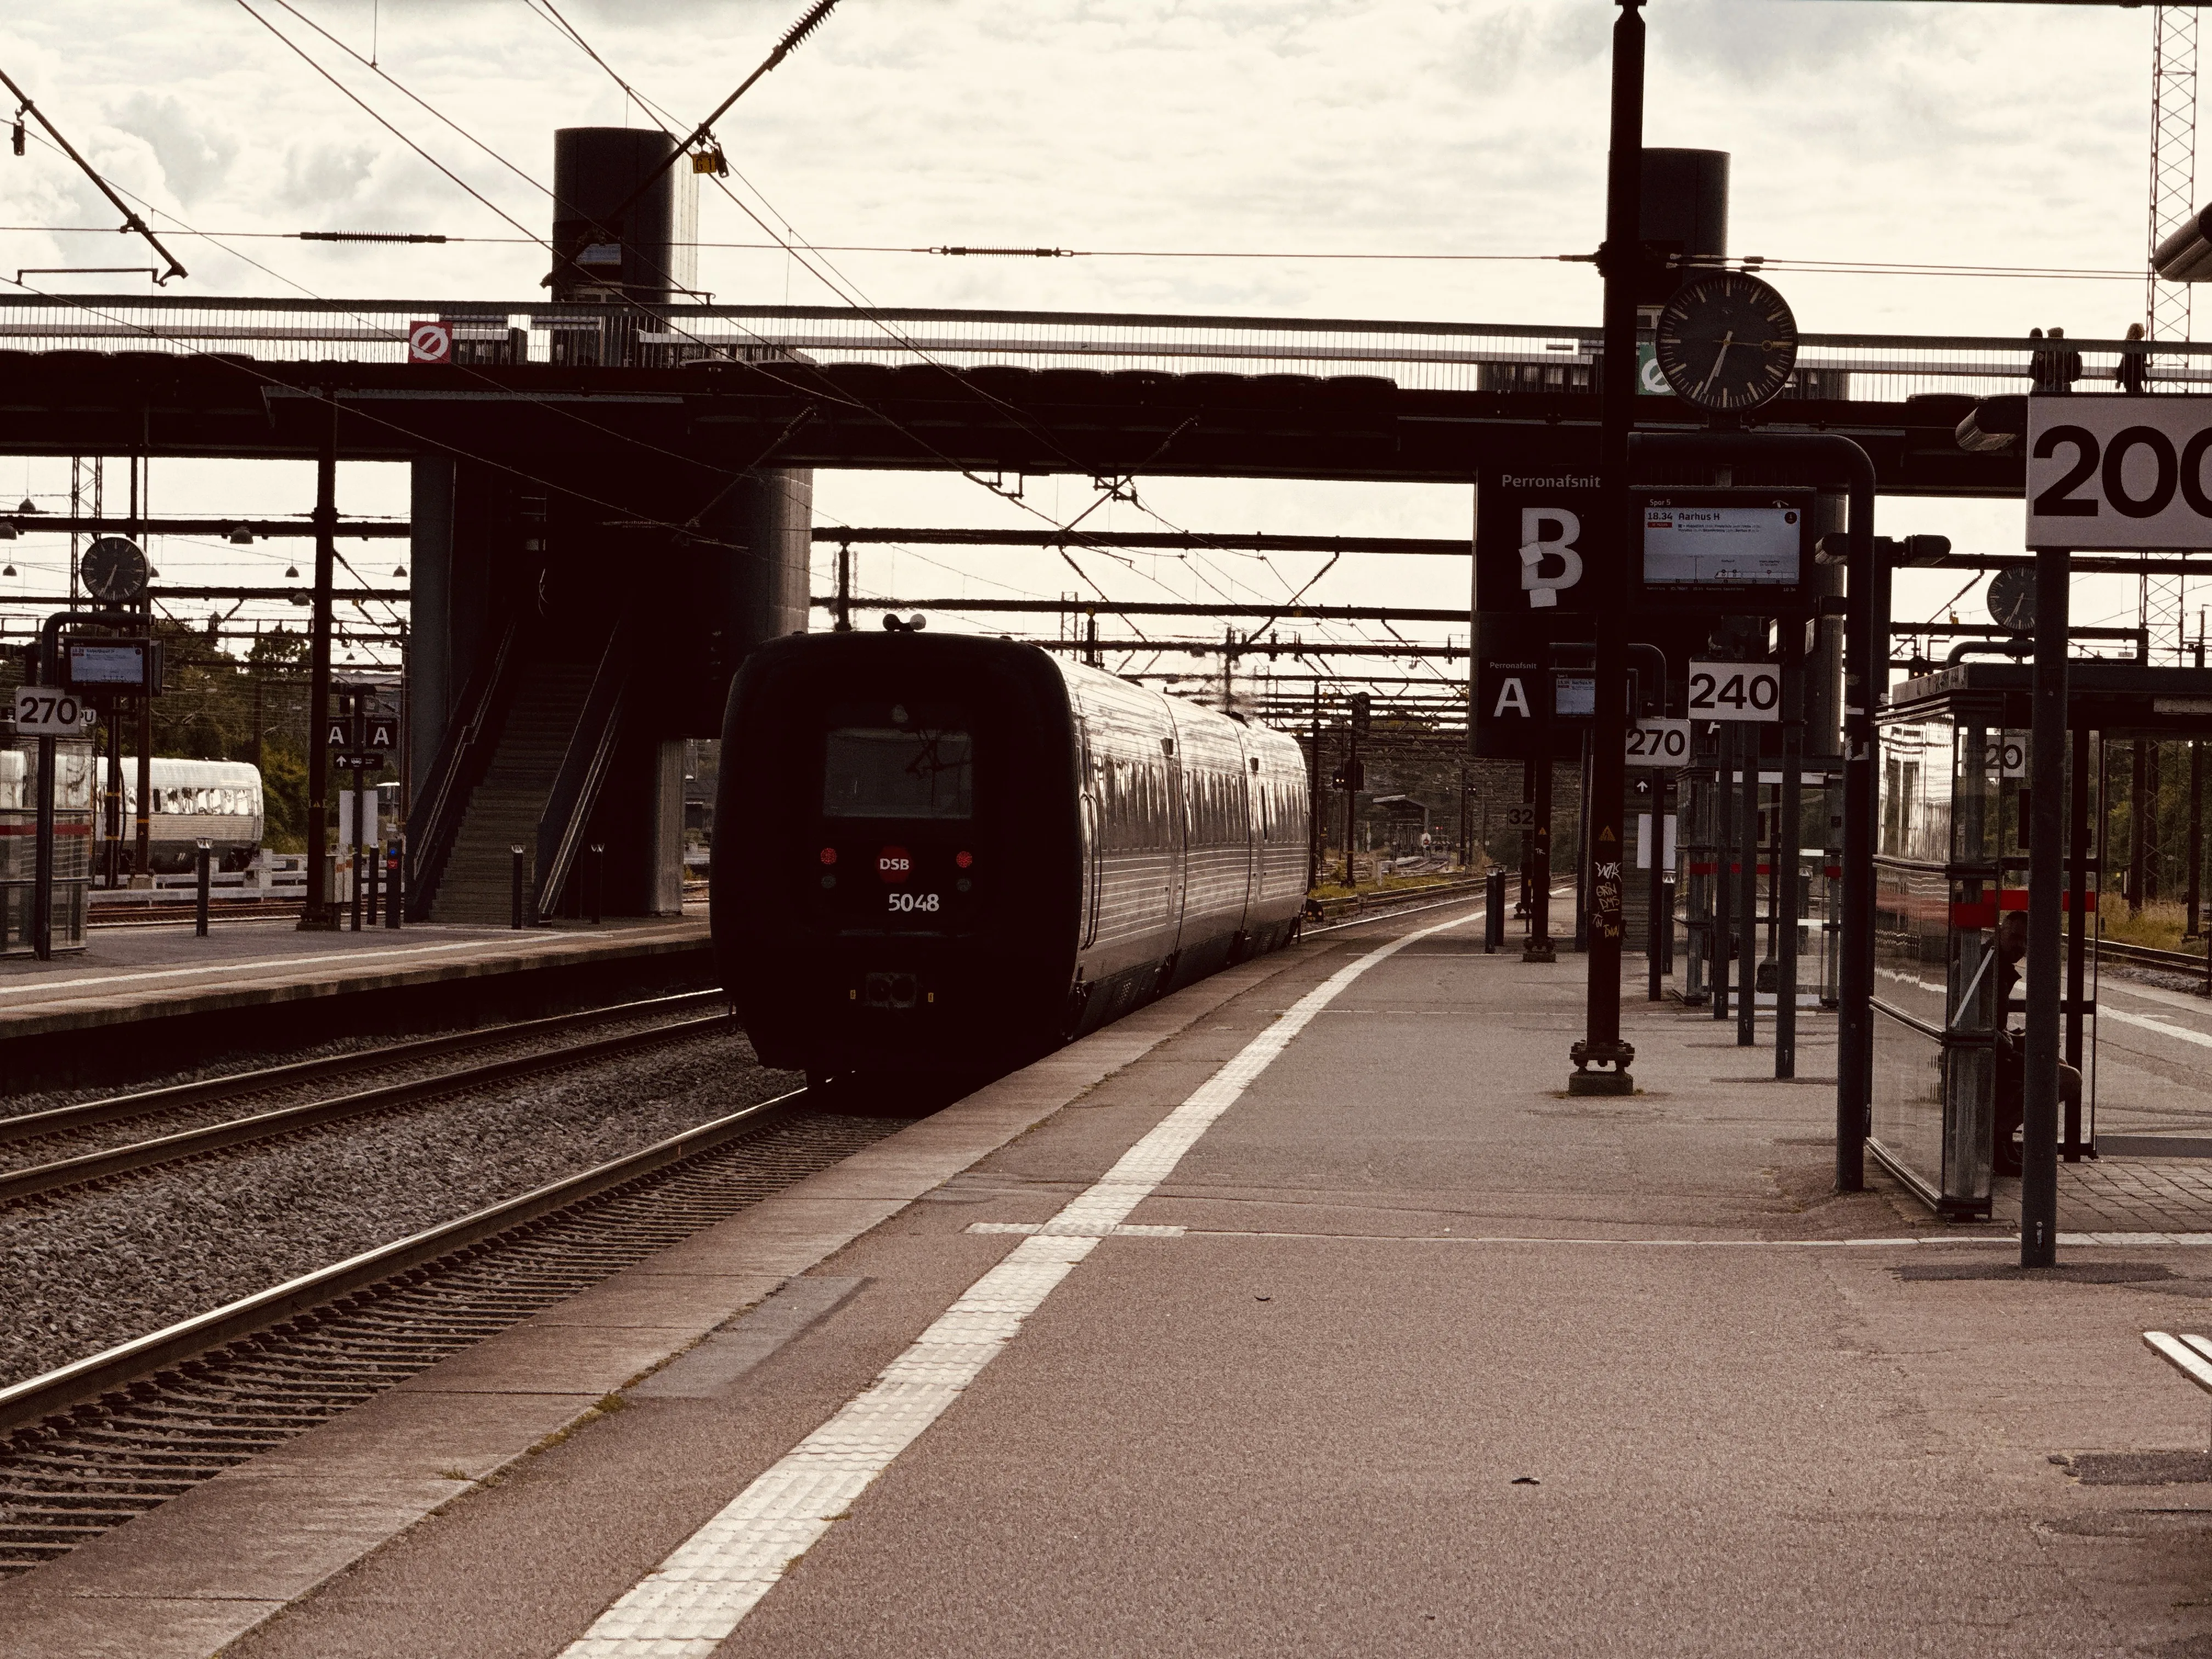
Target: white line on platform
x,y
2152,1023
684,1607
2009,1240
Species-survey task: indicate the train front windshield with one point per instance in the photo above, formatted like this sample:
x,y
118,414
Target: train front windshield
x,y
894,772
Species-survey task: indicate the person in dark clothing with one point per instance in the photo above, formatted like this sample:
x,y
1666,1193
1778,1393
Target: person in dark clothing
x,y
2011,1092
2134,375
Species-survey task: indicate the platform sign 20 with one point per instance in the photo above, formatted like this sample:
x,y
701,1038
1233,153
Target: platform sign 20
x,y
2128,474
1735,691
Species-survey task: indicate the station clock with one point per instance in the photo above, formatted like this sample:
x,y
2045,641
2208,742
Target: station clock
x,y
114,569
1727,343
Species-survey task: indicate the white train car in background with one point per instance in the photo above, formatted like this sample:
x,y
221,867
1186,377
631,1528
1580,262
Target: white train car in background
x,y
219,801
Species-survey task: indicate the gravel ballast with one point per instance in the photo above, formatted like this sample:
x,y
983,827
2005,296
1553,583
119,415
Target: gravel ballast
x,y
82,1271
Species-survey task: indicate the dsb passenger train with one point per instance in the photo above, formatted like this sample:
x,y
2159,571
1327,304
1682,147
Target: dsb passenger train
x,y
943,856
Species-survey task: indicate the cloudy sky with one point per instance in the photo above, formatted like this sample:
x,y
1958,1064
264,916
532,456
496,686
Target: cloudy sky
x,y
1145,133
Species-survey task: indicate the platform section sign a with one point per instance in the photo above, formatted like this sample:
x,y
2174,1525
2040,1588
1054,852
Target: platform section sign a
x,y
2121,474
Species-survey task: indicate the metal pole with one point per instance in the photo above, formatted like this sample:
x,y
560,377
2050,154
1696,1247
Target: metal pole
x,y
1351,802
518,886
2196,835
1539,947
42,858
1602,1046
395,864
598,879
200,888
2039,1185
844,623
1782,884
2138,826
316,914
1866,677
1746,997
1661,920
1527,839
2077,927
1582,852
1316,827
1723,805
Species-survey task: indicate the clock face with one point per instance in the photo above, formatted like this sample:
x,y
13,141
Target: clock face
x,y
113,569
1727,342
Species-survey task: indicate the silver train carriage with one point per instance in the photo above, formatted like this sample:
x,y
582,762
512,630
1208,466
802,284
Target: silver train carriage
x,y
945,854
220,800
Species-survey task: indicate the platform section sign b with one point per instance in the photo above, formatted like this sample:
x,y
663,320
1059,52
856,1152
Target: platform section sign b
x,y
2119,474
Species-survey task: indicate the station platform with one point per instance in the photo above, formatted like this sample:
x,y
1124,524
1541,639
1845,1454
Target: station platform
x,y
266,985
1302,1312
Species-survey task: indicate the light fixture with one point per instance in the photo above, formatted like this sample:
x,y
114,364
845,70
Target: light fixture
x,y
7,530
151,573
10,570
28,505
399,569
241,535
291,573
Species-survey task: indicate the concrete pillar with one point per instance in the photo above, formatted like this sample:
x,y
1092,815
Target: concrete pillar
x,y
667,831
430,682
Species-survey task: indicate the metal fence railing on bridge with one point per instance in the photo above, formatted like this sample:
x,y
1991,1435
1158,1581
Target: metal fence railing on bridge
x,y
1426,356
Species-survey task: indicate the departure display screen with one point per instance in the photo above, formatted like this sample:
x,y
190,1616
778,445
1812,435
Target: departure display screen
x,y
897,772
1707,539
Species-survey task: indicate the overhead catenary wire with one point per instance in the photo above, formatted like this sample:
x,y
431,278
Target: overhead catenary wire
x,y
132,221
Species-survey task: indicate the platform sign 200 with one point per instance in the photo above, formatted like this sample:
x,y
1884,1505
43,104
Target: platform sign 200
x,y
1735,691
2126,474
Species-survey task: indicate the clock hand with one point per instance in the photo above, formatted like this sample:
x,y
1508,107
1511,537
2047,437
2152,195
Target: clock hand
x,y
1719,357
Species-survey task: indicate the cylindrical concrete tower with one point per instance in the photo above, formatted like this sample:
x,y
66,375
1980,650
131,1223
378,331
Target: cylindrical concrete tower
x,y
604,249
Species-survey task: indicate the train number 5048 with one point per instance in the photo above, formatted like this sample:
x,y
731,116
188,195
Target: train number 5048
x,y
902,902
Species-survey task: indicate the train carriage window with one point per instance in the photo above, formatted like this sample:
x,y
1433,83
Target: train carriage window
x,y
887,772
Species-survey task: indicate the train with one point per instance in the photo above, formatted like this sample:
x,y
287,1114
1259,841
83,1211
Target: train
x,y
219,800
941,856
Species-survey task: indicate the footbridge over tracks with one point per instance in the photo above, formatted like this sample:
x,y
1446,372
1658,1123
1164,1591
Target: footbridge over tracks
x,y
662,454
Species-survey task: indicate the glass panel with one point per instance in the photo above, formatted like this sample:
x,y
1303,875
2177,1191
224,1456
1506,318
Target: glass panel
x,y
1974,817
1908,1098
883,772
1911,942
1916,791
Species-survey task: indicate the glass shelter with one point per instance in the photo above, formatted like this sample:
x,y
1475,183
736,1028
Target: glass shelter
x,y
1954,784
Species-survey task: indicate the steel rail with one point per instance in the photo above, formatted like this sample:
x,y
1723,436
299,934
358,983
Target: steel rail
x,y
61,1390
2145,956
287,1119
112,1108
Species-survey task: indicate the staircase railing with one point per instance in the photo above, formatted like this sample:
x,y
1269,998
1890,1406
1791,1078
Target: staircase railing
x,y
462,756
567,815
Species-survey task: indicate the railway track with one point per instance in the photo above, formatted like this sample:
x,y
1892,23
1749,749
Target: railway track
x,y
2190,963
88,1446
182,914
104,1164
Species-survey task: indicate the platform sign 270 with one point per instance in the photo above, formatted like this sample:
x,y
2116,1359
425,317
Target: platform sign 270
x,y
1734,691
2128,474
45,711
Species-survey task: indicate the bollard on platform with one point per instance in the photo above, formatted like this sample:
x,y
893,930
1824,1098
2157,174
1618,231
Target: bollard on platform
x,y
200,855
598,879
518,886
1494,910
394,862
